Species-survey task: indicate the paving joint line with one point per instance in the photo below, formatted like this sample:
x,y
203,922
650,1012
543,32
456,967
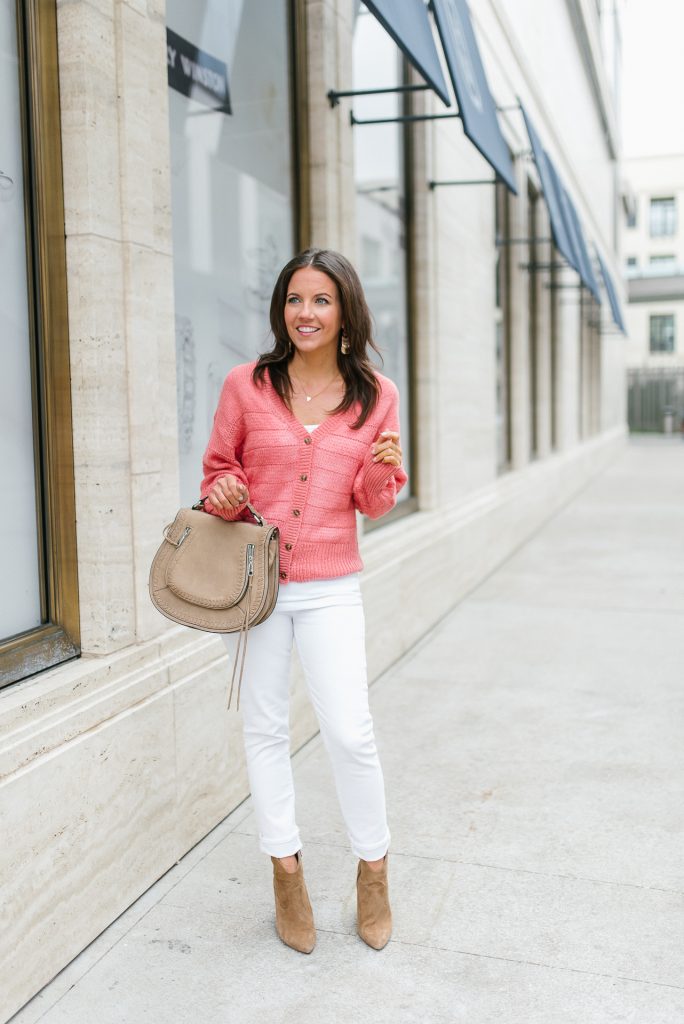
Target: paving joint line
x,y
648,609
499,867
137,919
526,963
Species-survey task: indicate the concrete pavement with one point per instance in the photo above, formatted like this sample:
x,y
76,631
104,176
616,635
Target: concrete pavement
x,y
532,747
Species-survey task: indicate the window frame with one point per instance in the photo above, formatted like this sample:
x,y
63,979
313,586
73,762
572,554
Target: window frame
x,y
534,340
58,638
662,317
666,224
503,317
667,262
299,105
409,504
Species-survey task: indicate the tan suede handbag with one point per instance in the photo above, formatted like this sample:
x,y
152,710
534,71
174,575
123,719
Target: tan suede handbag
x,y
217,575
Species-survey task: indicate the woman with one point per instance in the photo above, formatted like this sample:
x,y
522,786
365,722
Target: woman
x,y
308,434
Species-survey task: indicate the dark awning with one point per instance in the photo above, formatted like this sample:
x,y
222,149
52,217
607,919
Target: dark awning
x,y
475,103
565,224
546,177
585,268
562,202
612,295
409,26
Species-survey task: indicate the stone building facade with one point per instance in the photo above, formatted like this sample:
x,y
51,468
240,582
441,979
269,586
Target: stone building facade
x,y
653,244
153,227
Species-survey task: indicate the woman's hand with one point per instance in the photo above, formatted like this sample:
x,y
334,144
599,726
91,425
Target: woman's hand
x,y
387,448
228,492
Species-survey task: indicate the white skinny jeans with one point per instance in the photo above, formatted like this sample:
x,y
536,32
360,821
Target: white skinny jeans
x,y
325,619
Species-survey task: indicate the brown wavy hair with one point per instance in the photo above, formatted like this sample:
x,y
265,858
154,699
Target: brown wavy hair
x,y
360,382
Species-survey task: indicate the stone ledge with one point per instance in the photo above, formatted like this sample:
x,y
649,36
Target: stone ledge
x,y
415,570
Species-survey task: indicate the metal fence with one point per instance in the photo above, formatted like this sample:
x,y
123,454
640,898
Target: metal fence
x,y
655,399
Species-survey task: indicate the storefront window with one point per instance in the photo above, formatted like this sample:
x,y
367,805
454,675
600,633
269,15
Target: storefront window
x,y
20,592
381,206
533,306
555,315
39,613
232,195
502,328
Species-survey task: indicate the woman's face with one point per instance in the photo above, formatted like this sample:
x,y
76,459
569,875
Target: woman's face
x,y
313,312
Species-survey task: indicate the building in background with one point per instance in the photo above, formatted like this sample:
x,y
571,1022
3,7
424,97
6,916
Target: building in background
x,y
653,254
158,165
653,251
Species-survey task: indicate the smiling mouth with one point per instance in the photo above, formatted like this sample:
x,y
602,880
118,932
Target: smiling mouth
x,y
307,330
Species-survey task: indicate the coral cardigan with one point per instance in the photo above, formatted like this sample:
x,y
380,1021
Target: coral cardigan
x,y
308,485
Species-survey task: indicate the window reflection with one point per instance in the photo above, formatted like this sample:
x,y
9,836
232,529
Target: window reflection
x,y
381,204
232,202
20,584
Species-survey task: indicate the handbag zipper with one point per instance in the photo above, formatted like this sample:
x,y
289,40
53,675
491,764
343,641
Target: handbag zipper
x,y
249,561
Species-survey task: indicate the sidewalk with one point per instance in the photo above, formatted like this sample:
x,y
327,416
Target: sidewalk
x,y
533,754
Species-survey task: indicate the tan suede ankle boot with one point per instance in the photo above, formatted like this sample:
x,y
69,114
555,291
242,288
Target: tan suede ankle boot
x,y
373,913
294,917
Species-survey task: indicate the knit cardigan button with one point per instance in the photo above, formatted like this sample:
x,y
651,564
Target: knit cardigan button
x,y
283,575
296,512
307,440
288,547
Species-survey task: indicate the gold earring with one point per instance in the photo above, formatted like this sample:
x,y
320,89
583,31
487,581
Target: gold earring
x,y
345,346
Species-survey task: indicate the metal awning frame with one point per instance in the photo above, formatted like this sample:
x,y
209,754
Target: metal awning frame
x,y
334,95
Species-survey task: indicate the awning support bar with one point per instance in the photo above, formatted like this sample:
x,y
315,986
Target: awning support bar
x,y
397,120
465,181
334,95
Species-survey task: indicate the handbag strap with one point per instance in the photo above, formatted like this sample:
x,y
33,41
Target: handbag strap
x,y
241,649
199,506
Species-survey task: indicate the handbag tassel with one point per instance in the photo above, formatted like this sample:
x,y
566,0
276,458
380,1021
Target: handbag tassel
x,y
242,642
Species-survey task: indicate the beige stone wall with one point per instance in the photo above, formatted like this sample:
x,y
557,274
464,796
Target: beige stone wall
x,y
112,62
328,31
114,765
126,757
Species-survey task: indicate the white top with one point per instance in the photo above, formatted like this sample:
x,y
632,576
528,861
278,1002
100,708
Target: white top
x,y
310,427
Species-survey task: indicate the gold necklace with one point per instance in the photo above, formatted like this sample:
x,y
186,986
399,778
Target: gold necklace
x,y
309,397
